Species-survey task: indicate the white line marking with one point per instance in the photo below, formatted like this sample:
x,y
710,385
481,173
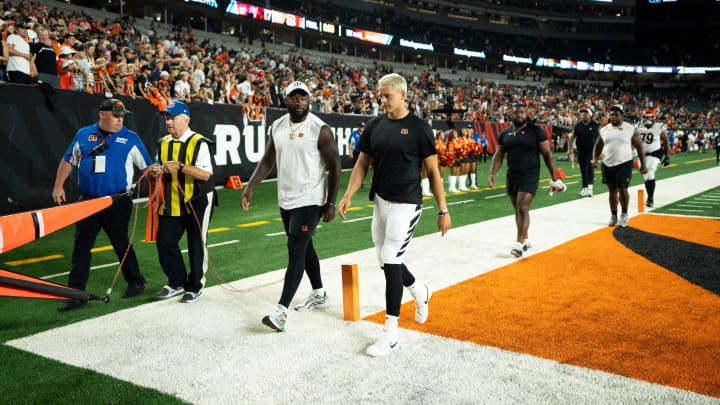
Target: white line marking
x,y
460,202
685,209
681,215
494,196
694,206
356,219
100,266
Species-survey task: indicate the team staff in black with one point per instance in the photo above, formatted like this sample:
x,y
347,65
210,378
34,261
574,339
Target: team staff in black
x,y
104,154
584,134
185,155
398,143
522,142
45,59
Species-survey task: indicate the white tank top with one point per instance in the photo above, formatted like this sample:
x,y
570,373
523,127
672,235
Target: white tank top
x,y
618,143
300,170
650,137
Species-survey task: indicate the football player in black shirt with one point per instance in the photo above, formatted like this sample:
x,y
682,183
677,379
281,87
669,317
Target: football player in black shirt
x,y
522,142
398,143
584,134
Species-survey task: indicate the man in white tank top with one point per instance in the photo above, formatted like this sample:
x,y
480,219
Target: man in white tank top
x,y
655,143
304,148
616,142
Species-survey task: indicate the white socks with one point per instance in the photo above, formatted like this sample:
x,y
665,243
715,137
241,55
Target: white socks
x,y
391,327
462,179
451,184
425,185
320,291
472,181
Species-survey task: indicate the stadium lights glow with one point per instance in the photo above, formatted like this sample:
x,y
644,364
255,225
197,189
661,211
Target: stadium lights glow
x,y
517,59
209,3
417,45
469,53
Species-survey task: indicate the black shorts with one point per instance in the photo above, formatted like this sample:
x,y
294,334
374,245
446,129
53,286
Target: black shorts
x,y
458,162
525,182
619,175
301,220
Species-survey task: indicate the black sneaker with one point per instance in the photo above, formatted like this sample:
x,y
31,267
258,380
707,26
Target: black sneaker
x,y
134,290
190,297
650,203
71,304
168,292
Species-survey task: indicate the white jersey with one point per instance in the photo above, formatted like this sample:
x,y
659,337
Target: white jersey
x,y
650,137
300,168
618,143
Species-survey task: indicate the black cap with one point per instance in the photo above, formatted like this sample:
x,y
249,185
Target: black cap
x,y
146,67
617,107
68,35
116,106
362,124
21,25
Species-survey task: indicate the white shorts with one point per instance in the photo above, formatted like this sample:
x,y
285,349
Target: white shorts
x,y
652,163
393,225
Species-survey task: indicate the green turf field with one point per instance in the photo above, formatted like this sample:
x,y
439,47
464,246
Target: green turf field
x,y
705,204
251,243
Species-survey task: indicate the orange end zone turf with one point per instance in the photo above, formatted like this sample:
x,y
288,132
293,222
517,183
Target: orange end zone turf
x,y
594,303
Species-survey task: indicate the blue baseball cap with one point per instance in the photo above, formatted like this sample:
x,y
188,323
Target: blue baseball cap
x,y
176,108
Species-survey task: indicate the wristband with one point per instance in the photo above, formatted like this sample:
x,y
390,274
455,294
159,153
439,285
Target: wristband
x,y
442,213
181,166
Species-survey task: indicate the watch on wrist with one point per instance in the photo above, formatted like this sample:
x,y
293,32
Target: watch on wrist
x,y
181,166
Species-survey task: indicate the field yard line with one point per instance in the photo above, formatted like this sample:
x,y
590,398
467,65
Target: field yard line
x,y
685,210
694,206
356,219
100,266
460,202
494,196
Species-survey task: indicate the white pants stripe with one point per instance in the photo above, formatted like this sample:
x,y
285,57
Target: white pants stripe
x,y
393,225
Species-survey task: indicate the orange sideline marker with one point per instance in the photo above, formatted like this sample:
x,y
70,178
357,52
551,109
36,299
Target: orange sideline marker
x,y
641,200
351,294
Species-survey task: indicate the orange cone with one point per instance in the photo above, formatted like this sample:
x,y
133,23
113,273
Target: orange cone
x,y
636,165
559,173
234,182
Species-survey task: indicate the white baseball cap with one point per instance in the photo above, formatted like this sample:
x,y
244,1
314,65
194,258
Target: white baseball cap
x,y
297,85
66,50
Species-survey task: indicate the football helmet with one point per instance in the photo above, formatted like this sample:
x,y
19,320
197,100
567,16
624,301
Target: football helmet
x,y
648,117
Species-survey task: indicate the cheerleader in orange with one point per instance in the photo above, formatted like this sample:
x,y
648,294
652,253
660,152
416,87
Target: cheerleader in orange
x,y
465,165
454,145
424,181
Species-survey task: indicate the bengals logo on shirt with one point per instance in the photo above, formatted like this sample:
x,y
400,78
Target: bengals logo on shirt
x,y
404,131
92,138
300,135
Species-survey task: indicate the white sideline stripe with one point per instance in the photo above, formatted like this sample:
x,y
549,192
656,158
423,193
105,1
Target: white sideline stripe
x,y
681,215
356,219
460,202
708,200
462,372
494,196
685,209
694,206
100,266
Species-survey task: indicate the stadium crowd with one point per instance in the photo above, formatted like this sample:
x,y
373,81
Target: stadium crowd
x,y
77,52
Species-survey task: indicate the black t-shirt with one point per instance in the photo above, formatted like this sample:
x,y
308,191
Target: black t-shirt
x,y
397,149
522,148
585,135
46,59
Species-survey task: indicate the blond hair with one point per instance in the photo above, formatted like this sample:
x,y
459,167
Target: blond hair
x,y
395,80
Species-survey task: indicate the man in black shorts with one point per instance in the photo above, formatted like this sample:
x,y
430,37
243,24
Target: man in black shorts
x,y
616,142
522,142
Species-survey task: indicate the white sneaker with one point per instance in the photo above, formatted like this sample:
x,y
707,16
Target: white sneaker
x,y
517,249
584,192
422,295
168,292
383,346
613,220
427,194
462,187
313,301
276,318
589,193
452,190
624,218
527,245
474,187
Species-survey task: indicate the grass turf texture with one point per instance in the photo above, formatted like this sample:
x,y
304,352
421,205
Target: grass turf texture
x,y
36,378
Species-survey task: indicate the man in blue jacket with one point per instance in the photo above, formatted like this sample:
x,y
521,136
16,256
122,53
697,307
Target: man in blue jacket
x,y
105,154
